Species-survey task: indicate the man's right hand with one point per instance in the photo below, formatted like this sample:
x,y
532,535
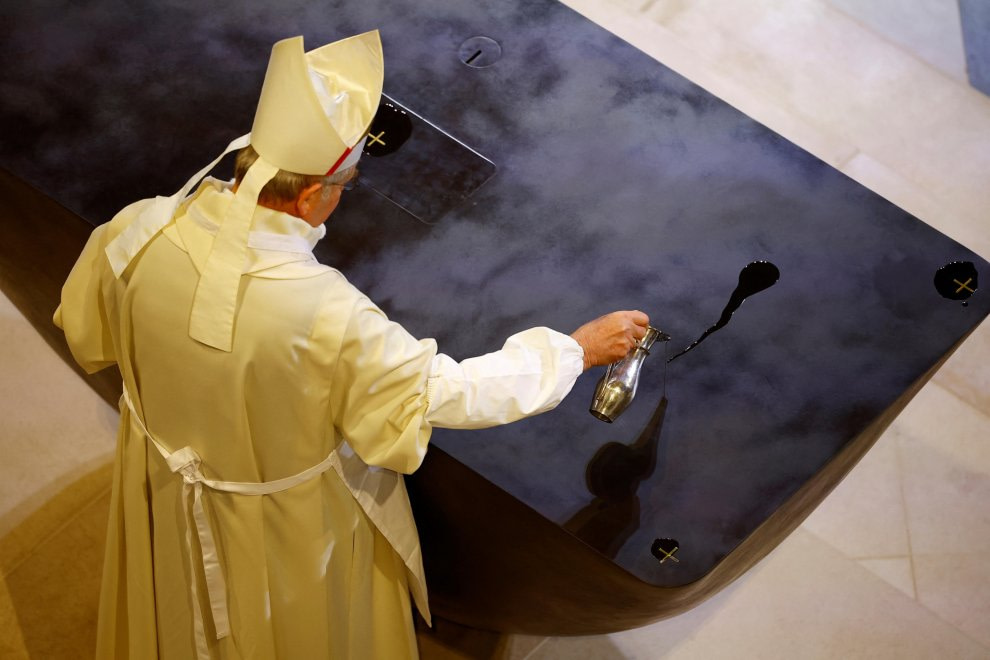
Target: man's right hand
x,y
609,338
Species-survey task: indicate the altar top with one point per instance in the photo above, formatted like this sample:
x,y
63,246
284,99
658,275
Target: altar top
x,y
609,182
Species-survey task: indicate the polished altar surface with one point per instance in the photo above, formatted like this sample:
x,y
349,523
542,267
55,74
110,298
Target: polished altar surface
x,y
619,184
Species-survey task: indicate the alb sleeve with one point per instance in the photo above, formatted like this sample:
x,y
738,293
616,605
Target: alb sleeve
x,y
82,313
531,374
378,389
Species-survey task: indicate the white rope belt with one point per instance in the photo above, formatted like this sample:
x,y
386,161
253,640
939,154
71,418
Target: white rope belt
x,y
186,462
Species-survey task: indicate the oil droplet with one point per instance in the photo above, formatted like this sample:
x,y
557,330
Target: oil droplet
x,y
755,277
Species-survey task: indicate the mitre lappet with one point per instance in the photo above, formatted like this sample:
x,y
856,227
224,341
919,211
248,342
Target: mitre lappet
x,y
312,118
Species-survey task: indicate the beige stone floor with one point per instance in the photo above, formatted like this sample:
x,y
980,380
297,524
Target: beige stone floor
x,y
56,444
894,564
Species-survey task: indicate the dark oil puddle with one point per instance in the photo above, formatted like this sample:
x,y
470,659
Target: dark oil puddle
x,y
755,277
957,280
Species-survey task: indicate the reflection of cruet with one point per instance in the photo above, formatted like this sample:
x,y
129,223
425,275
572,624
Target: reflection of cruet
x,y
616,389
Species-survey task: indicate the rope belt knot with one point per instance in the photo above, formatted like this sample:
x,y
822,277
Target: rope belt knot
x,y
186,462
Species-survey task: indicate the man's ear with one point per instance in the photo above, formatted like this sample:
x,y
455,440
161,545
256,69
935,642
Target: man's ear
x,y
304,201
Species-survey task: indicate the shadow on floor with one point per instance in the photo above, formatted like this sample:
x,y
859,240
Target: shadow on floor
x,y
451,641
51,565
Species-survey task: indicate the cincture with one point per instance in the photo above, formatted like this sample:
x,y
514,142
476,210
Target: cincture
x,y
186,462
381,495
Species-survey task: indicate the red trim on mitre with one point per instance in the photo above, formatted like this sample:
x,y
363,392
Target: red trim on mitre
x,y
340,160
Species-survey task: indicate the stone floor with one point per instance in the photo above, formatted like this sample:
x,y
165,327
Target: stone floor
x,y
894,564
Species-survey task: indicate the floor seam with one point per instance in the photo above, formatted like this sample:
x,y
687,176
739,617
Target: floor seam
x,y
907,522
29,552
845,161
966,402
891,42
532,652
872,557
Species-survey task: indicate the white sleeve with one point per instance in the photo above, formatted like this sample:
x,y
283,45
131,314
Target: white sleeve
x,y
531,374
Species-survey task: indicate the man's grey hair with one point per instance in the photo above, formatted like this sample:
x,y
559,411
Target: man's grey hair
x,y
285,186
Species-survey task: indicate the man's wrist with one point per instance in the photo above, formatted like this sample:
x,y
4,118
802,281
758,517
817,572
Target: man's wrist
x,y
577,336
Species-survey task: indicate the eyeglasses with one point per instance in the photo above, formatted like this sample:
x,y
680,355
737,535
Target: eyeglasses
x,y
350,184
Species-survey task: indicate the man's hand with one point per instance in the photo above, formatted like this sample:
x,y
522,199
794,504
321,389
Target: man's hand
x,y
608,338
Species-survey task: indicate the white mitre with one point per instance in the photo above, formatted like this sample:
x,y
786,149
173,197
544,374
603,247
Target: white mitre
x,y
316,107
312,118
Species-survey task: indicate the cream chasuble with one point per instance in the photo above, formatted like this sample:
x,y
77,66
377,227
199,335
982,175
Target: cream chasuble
x,y
319,385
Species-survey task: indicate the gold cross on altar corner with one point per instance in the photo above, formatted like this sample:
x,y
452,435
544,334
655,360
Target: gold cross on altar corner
x,y
964,286
669,555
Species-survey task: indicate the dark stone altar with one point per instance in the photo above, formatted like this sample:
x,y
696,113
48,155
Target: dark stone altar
x,y
562,177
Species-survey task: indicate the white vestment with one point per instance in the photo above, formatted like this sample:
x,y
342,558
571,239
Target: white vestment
x,y
320,385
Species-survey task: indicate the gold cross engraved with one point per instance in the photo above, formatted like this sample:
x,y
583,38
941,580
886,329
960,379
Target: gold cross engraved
x,y
669,555
377,138
964,285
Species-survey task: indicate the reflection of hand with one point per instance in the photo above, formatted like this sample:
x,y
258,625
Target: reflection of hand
x,y
609,338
